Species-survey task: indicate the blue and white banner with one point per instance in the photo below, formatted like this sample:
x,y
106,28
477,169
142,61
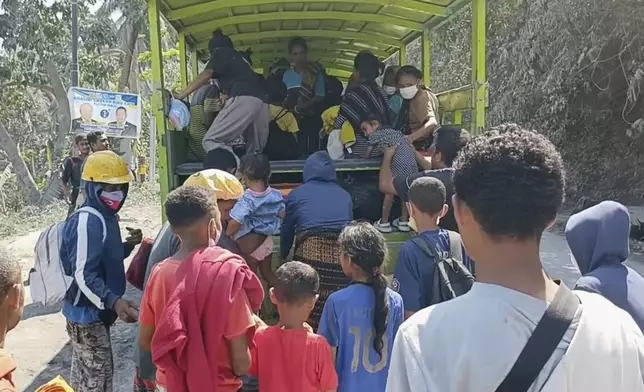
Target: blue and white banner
x,y
116,114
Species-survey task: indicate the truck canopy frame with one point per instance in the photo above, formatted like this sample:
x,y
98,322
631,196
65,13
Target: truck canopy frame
x,y
336,30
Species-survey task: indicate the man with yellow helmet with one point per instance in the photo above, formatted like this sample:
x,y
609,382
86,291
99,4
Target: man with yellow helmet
x,y
92,251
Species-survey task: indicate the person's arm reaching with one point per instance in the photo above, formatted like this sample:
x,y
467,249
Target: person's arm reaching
x,y
427,129
202,79
287,232
423,162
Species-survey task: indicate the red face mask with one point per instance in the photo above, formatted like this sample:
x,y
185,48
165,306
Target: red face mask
x,y
112,200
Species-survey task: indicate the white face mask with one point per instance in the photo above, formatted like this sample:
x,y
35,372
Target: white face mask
x,y
390,90
409,92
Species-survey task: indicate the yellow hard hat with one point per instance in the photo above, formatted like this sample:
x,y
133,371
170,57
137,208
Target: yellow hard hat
x,y
225,185
105,167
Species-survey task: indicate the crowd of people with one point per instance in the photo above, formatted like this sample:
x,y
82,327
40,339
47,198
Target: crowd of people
x,y
469,308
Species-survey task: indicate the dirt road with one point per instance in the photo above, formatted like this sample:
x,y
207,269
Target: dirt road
x,y
40,346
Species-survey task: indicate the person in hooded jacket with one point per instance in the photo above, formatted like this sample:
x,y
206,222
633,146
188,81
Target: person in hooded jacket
x,y
598,240
92,252
316,212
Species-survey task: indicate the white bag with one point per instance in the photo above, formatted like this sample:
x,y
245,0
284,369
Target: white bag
x,y
47,280
334,146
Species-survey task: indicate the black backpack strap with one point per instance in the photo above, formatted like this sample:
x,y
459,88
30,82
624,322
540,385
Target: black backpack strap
x,y
455,245
281,114
542,343
430,251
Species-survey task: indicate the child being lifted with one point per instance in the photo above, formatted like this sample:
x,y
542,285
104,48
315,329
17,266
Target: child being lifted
x,y
259,210
403,164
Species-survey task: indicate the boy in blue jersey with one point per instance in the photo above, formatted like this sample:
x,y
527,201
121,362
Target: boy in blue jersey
x,y
360,322
414,273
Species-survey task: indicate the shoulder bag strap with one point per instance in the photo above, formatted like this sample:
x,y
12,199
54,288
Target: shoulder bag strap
x,y
455,245
94,211
442,290
542,343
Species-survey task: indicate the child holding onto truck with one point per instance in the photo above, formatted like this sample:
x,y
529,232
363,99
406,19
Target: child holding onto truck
x,y
403,164
259,210
360,321
289,356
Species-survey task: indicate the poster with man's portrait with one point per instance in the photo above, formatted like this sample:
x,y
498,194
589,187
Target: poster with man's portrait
x,y
116,114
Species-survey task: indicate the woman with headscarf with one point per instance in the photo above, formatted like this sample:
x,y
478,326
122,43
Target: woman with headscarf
x,y
245,113
364,99
306,91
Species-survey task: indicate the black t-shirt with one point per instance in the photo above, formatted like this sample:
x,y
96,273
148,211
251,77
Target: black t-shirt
x,y
402,184
235,74
72,169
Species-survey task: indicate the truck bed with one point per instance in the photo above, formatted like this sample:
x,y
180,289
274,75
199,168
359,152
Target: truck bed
x,y
295,166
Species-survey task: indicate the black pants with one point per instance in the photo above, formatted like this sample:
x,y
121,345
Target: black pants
x,y
72,201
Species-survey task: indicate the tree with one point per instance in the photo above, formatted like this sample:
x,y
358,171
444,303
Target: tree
x,y
34,74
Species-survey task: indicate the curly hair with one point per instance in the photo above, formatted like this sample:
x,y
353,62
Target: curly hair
x,y
189,204
513,181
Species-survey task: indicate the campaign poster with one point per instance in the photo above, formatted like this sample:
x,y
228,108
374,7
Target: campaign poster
x,y
116,114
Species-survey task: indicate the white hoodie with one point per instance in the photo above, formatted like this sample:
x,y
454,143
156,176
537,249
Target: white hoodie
x,y
470,343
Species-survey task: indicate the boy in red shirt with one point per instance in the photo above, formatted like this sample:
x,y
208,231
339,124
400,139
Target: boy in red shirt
x,y
193,215
289,357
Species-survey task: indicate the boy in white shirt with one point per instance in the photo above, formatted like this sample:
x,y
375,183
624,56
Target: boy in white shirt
x,y
509,186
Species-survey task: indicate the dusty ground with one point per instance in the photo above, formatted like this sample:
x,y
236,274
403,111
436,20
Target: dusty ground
x,y
40,346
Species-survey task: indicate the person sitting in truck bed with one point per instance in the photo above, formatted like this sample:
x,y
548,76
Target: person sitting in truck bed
x,y
316,212
362,99
283,129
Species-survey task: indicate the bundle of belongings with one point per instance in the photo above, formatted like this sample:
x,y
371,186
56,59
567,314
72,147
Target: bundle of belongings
x,y
339,139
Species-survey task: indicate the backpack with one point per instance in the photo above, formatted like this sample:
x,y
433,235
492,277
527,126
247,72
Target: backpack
x,y
48,281
280,145
451,277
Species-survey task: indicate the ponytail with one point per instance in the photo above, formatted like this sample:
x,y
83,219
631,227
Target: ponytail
x,y
367,248
380,312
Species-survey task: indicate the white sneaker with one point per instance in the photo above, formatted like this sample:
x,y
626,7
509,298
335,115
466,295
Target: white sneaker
x,y
383,227
401,225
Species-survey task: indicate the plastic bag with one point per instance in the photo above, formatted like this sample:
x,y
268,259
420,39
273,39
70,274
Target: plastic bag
x,y
179,114
334,145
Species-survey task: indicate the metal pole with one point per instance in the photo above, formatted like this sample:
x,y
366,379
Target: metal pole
x,y
152,164
74,43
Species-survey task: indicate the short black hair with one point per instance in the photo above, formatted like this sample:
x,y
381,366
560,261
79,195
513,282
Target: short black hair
x,y
297,41
10,272
189,204
390,73
513,181
276,89
449,141
221,159
92,137
256,167
121,108
428,194
409,70
296,282
368,66
78,139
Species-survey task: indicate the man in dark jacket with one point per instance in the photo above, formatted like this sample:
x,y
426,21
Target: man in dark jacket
x,y
92,252
319,203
